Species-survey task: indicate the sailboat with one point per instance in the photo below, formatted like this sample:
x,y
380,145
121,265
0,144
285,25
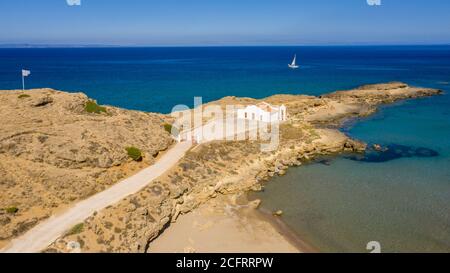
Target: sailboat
x,y
293,65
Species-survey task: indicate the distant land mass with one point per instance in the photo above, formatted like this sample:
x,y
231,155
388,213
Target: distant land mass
x,y
54,45
25,45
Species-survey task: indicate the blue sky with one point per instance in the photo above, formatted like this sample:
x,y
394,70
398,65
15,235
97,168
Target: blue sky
x,y
225,22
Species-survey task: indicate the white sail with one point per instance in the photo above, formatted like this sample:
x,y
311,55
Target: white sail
x,y
294,65
294,60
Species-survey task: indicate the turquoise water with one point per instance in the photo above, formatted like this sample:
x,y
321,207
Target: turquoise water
x,y
403,203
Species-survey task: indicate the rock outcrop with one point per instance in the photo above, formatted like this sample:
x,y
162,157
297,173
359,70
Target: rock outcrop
x,y
54,152
234,167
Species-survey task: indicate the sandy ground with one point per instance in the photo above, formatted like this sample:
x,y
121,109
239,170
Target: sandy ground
x,y
48,231
221,227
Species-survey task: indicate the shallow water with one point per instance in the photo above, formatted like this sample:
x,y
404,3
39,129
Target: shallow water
x,y
399,198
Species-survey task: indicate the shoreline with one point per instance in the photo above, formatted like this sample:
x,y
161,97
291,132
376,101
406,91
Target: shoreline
x,y
331,142
288,235
286,231
218,168
225,225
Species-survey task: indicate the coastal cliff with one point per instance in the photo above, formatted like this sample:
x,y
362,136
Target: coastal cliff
x,y
57,148
234,167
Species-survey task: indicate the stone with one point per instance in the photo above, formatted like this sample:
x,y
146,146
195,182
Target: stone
x,y
41,100
4,220
377,147
142,211
131,207
254,204
278,213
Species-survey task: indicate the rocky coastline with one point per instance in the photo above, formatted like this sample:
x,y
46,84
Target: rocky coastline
x,y
57,148
232,168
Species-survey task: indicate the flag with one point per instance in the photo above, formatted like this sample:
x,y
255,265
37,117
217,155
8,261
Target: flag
x,y
25,73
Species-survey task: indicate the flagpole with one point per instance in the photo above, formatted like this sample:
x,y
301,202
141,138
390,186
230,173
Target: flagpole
x,y
25,73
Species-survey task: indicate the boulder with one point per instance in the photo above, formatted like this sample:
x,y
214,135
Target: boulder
x,y
278,213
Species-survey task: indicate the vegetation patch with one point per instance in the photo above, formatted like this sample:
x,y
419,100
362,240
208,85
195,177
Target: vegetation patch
x,y
134,153
169,127
12,210
22,96
77,229
93,107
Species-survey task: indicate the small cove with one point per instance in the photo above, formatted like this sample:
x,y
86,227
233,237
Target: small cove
x,y
398,197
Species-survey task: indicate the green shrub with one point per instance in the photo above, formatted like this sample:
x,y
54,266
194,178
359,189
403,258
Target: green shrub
x,y
93,107
134,153
168,127
22,96
12,210
78,228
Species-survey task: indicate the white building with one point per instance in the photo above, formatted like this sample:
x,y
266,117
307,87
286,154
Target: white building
x,y
263,112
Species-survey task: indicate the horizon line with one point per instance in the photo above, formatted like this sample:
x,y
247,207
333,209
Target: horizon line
x,y
25,45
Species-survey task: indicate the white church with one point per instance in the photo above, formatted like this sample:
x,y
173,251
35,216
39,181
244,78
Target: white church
x,y
263,112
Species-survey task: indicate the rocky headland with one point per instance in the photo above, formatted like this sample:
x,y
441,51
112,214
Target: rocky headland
x,y
57,148
209,170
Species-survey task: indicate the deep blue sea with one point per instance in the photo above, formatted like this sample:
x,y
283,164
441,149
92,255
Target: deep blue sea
x,y
402,202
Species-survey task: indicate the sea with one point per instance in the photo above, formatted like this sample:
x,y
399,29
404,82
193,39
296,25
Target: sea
x,y
398,200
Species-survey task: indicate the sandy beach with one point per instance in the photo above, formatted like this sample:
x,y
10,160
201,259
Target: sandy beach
x,y
228,226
